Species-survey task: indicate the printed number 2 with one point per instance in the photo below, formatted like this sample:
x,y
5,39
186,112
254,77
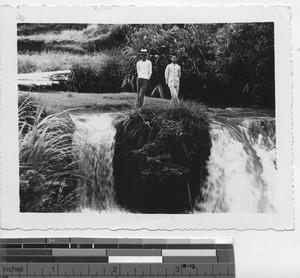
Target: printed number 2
x,y
115,269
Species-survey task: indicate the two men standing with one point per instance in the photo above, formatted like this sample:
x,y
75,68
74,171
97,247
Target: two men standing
x,y
144,72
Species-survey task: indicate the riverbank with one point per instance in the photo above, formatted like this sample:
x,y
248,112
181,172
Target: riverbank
x,y
170,144
55,102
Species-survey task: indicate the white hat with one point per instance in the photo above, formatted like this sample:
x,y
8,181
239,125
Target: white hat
x,y
144,51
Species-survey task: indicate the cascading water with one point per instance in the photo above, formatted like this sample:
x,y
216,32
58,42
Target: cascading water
x,y
242,166
94,144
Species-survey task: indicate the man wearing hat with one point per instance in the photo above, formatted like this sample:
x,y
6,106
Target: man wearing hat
x,y
144,71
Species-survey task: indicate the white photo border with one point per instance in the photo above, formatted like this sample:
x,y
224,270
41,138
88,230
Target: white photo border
x,y
12,219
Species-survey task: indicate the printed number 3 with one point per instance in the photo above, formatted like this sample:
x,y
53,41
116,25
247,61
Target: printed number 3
x,y
177,269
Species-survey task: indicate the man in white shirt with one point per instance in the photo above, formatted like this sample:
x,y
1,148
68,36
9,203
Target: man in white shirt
x,y
172,76
144,71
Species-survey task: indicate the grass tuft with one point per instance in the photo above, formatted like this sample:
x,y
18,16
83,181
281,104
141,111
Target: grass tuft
x,y
47,168
160,157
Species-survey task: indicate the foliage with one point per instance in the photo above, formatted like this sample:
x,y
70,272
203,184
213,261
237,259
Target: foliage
x,y
219,62
66,36
159,158
47,168
115,36
190,44
26,29
52,61
104,74
245,61
28,108
228,64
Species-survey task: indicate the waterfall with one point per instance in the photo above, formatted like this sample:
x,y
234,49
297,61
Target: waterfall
x,y
241,167
94,140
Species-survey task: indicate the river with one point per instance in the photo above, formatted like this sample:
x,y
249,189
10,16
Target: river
x,y
241,167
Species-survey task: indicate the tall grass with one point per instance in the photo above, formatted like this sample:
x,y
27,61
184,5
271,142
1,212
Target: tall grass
x,y
50,61
47,166
102,74
93,39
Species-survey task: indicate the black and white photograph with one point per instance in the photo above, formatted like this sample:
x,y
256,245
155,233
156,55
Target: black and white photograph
x,y
147,118
128,124
154,122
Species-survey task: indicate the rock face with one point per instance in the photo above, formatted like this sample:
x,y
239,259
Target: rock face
x,y
160,158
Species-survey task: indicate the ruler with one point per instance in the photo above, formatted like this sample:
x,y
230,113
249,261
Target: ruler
x,y
116,258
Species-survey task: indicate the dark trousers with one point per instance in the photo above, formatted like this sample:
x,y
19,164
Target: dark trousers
x,y
141,84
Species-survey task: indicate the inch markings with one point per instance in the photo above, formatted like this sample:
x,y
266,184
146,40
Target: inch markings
x,y
116,258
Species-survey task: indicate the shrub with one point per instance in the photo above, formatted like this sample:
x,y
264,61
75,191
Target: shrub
x,y
160,157
47,168
104,74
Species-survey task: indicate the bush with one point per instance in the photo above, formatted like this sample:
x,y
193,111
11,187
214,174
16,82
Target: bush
x,y
104,74
160,158
47,168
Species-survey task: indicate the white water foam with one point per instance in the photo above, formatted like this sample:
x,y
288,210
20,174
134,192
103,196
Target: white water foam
x,y
241,174
94,141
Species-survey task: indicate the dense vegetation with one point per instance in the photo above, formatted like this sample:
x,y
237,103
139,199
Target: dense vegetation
x,y
160,157
221,63
48,181
161,151
159,162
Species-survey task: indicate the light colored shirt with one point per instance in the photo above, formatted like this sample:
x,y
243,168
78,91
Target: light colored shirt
x,y
172,75
144,69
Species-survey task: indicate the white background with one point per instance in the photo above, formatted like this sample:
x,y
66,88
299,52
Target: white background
x,y
258,253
